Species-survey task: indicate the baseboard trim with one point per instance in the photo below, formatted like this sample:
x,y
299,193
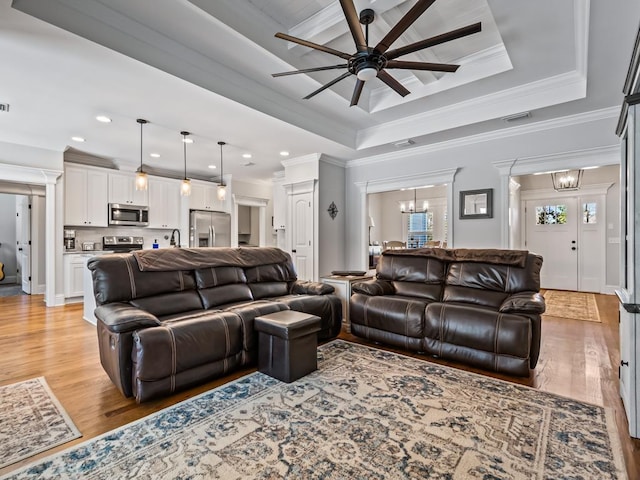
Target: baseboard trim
x,y
9,279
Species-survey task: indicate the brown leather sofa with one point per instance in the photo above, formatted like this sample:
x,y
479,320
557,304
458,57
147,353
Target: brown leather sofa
x,y
478,307
171,318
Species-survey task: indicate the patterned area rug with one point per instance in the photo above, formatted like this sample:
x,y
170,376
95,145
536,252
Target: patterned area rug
x,y
31,421
365,414
574,305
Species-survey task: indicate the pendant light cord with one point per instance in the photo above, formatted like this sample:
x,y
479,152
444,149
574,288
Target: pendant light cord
x,y
221,164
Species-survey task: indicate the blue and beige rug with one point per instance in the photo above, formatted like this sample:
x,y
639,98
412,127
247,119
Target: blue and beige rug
x,y
31,421
365,414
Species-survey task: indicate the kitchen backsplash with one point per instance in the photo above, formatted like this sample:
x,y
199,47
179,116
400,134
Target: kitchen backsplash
x,y
149,234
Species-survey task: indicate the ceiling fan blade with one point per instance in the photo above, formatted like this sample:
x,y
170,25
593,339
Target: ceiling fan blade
x,y
404,23
393,83
310,70
355,98
434,67
315,46
353,20
438,39
332,82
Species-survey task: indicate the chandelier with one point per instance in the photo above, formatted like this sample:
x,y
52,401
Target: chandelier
x,y
566,180
412,207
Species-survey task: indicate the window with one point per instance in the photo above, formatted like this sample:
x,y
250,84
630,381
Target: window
x,y
551,215
419,229
589,213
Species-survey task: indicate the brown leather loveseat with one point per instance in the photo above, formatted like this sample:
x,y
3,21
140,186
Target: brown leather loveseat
x,y
478,307
171,318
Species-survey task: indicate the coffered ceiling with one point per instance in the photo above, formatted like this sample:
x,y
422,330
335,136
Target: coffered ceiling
x,y
206,65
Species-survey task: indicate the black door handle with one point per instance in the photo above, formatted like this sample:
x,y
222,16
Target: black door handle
x,y
623,363
573,241
573,248
293,251
20,249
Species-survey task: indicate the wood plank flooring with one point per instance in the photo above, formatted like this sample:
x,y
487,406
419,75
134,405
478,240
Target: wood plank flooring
x,y
578,359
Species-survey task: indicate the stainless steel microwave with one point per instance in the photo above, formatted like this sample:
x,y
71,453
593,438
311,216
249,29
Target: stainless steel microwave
x,y
121,214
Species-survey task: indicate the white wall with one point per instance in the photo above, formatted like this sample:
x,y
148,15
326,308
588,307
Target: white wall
x,y
474,158
331,188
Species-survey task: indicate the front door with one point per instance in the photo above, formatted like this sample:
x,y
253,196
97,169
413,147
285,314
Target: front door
x,y
552,231
302,234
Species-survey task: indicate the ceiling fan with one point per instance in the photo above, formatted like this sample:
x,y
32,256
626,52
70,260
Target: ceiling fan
x,y
368,63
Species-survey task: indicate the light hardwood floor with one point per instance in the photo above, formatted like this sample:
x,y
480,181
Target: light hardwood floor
x,y
578,359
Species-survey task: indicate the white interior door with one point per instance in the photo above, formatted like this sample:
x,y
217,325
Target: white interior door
x,y
302,234
23,241
552,231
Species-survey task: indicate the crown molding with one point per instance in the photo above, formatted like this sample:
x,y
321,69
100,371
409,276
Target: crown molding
x,y
437,177
599,156
560,122
311,158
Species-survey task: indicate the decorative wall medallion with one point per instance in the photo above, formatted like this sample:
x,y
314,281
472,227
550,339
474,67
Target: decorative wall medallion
x,y
333,210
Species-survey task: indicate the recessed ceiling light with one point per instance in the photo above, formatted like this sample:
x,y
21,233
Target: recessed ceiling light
x,y
187,140
284,153
77,139
246,155
212,166
154,155
103,119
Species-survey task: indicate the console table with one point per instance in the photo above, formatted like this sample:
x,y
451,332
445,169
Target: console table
x,y
342,284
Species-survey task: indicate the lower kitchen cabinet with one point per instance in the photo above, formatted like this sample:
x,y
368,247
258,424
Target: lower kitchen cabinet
x,y
74,265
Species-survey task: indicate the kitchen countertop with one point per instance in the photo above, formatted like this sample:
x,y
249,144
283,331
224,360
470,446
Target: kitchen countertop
x,y
86,252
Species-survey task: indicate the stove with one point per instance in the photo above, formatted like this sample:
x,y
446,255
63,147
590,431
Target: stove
x,y
121,244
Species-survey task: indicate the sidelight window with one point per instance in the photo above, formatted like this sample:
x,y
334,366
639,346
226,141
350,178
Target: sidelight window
x,y
589,213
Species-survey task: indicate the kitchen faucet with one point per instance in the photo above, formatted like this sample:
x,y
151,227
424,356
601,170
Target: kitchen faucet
x,y
172,242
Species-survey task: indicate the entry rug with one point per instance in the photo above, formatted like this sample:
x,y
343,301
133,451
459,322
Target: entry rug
x,y
31,421
365,414
574,305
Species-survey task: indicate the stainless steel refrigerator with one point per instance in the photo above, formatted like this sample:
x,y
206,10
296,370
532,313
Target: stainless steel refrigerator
x,y
209,229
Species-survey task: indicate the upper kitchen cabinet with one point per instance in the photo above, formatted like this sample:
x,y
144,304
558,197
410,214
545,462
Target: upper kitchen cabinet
x,y
204,196
85,196
122,189
164,202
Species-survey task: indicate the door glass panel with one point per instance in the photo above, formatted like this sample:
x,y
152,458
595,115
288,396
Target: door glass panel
x,y
589,213
551,215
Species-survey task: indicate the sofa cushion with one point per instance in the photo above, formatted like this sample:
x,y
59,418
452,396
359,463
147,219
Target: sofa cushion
x,y
268,289
396,314
217,276
473,296
275,272
411,275
327,307
477,328
232,293
117,278
169,303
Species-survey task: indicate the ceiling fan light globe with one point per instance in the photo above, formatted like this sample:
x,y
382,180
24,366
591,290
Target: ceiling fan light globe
x,y
367,73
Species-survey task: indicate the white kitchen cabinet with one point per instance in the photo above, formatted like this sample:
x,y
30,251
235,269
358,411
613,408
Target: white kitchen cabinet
x,y
164,202
279,206
122,189
85,196
204,196
74,266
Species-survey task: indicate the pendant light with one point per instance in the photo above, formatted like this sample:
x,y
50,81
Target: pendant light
x,y
142,182
185,187
222,188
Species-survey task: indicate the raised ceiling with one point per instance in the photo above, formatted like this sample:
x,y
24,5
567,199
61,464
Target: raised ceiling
x,y
206,65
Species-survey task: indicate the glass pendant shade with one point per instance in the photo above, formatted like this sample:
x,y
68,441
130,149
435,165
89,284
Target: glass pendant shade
x,y
222,192
185,187
142,182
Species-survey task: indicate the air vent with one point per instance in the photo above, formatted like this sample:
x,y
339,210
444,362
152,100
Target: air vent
x,y
248,164
516,116
404,143
4,107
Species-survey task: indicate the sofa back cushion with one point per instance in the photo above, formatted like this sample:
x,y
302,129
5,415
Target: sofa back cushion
x,y
489,284
221,285
413,276
270,280
117,278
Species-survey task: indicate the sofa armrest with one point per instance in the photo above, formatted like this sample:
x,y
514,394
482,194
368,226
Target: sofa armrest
x,y
523,302
122,317
373,287
311,288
